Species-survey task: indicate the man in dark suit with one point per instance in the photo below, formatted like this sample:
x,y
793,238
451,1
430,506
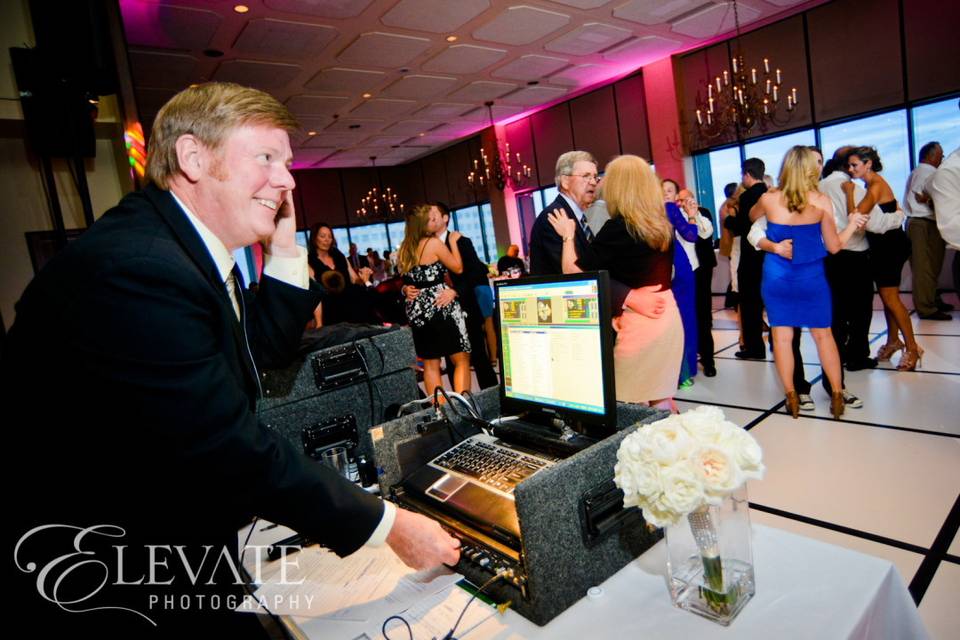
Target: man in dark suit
x,y
474,274
750,271
577,181
135,353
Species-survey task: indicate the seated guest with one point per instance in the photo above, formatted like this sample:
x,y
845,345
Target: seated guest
x,y
636,246
511,260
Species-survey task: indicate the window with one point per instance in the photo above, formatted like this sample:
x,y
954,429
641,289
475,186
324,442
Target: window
x,y
342,239
772,150
486,217
396,231
887,132
371,236
938,121
724,168
468,223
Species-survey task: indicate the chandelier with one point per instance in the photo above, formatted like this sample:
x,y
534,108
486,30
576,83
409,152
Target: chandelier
x,y
730,105
501,168
380,202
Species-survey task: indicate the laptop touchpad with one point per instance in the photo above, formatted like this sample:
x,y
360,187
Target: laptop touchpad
x,y
445,487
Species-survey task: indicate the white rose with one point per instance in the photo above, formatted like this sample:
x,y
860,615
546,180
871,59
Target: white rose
x,y
717,470
682,488
657,513
641,478
666,442
745,451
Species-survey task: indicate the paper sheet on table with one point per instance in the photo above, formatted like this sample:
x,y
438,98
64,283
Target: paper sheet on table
x,y
433,616
370,584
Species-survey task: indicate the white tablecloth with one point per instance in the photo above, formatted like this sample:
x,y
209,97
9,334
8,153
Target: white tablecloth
x,y
805,589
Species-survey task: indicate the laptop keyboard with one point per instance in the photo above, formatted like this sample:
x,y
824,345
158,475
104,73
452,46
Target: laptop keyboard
x,y
498,467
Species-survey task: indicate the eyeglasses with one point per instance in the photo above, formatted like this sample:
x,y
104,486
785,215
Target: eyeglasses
x,y
589,177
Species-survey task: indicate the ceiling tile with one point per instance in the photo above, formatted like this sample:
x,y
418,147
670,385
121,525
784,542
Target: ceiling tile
x,y
714,20
590,38
530,96
521,25
409,127
163,69
150,100
457,129
336,139
383,108
357,125
159,25
480,114
437,16
420,86
252,73
464,58
785,3
378,49
654,11
639,48
316,105
443,110
530,67
303,158
321,8
582,75
282,39
345,81
386,140
583,4
435,139
482,90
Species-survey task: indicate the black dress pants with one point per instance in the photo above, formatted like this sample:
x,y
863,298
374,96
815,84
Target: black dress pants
x,y
851,289
704,305
749,275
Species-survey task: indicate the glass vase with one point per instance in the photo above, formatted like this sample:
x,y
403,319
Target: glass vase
x,y
710,560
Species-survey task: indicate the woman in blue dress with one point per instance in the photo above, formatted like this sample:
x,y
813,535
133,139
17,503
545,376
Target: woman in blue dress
x,y
684,283
795,291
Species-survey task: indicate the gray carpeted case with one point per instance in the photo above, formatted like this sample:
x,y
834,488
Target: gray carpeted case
x,y
560,559
293,400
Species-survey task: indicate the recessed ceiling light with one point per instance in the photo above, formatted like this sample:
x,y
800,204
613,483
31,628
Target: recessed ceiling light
x,y
367,95
241,8
311,133
353,126
422,134
452,38
533,83
212,53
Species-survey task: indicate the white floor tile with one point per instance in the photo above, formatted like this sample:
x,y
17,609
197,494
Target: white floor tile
x,y
895,484
748,384
941,354
740,417
937,327
938,609
906,562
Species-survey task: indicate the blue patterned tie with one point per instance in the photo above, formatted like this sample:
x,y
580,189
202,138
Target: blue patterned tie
x,y
586,229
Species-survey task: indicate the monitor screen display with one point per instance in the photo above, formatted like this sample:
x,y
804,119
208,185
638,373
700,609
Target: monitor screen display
x,y
555,344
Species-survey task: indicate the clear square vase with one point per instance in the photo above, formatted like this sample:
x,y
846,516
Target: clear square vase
x,y
710,560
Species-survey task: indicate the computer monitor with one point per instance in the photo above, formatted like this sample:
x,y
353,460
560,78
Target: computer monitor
x,y
556,349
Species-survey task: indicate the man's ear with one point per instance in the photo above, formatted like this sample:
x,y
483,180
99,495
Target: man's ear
x,y
191,156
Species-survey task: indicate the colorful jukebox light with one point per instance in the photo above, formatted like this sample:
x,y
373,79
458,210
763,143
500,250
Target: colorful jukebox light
x,y
136,149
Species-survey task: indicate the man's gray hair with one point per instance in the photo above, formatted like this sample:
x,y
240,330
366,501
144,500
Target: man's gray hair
x,y
566,161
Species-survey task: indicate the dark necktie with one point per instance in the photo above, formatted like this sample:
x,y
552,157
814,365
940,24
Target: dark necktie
x,y
586,229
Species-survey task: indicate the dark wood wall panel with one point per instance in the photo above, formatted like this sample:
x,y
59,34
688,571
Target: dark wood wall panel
x,y
457,159
594,118
407,181
321,198
520,137
695,70
632,116
435,178
356,184
855,55
932,32
783,44
553,136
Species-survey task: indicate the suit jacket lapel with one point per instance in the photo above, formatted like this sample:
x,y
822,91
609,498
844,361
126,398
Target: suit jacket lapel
x,y
193,246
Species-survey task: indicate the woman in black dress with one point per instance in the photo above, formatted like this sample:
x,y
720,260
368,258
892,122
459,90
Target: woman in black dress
x,y
347,299
888,253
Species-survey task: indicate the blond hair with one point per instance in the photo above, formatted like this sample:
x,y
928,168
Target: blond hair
x,y
210,112
798,177
632,191
414,231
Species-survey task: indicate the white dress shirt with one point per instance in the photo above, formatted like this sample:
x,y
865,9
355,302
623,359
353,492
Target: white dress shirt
x,y
293,271
944,188
917,184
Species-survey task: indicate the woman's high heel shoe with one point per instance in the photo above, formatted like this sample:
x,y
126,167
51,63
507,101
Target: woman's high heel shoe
x,y
793,404
886,351
837,404
911,359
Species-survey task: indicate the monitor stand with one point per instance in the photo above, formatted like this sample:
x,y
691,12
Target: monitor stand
x,y
543,432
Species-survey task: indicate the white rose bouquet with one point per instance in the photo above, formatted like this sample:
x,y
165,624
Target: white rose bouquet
x,y
681,465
